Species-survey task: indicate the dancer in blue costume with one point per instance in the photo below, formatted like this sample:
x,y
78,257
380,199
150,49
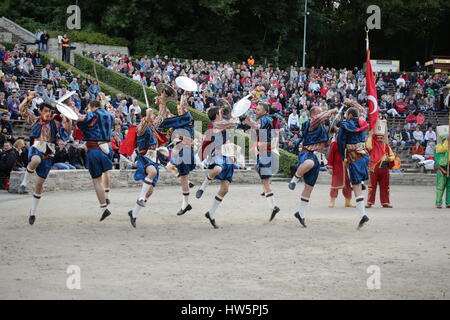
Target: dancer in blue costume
x,y
221,157
46,129
267,161
97,125
352,148
182,156
314,138
147,160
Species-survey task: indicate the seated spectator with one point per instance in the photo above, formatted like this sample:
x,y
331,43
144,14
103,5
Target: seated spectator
x,y
430,135
61,158
137,109
8,159
420,119
94,89
411,120
393,112
397,140
46,74
6,127
198,104
77,154
13,108
400,106
397,164
39,88
293,121
418,135
407,136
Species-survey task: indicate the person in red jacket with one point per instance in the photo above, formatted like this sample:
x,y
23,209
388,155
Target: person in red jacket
x,y
339,176
381,157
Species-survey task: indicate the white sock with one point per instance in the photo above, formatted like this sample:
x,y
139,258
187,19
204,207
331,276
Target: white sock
x,y
136,210
103,208
145,187
205,182
217,201
270,199
361,206
302,208
107,193
295,179
34,203
185,202
25,176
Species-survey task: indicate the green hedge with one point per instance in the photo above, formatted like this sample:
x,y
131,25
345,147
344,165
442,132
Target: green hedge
x,y
106,89
91,37
134,89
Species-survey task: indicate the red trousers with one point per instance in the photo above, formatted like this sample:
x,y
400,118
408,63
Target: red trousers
x,y
346,191
381,177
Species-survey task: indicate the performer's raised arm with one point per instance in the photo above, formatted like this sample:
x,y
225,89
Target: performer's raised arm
x,y
362,111
318,117
25,111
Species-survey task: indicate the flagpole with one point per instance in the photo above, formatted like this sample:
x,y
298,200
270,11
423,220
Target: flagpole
x,y
448,153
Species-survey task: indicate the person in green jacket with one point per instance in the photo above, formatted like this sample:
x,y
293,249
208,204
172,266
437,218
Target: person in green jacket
x,y
440,163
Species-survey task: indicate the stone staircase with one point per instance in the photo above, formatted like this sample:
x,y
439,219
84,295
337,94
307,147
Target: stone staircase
x,y
32,80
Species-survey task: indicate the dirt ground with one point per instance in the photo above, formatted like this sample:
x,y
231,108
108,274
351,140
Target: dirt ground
x,y
171,257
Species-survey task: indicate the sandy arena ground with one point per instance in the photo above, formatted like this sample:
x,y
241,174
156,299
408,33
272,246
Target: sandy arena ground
x,y
170,257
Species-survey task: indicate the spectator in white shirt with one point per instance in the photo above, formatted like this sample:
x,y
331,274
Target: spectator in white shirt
x,y
199,104
430,135
137,109
293,121
418,135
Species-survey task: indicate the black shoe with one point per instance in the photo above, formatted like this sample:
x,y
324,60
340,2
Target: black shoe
x,y
108,202
274,213
364,219
105,215
263,194
213,221
183,211
191,185
132,220
31,219
292,185
199,193
302,220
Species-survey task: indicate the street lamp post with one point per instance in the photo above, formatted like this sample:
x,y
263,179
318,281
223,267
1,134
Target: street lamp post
x,y
304,33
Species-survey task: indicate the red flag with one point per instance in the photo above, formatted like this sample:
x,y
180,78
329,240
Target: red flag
x,y
128,145
372,99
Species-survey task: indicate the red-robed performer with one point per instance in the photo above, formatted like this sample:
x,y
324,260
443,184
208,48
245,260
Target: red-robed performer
x,y
381,156
339,176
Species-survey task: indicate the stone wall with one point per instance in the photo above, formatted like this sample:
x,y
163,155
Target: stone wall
x,y
67,180
16,32
77,180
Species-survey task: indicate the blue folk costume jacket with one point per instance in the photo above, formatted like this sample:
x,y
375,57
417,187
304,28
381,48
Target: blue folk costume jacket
x,y
351,132
147,140
184,124
55,133
318,135
97,126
